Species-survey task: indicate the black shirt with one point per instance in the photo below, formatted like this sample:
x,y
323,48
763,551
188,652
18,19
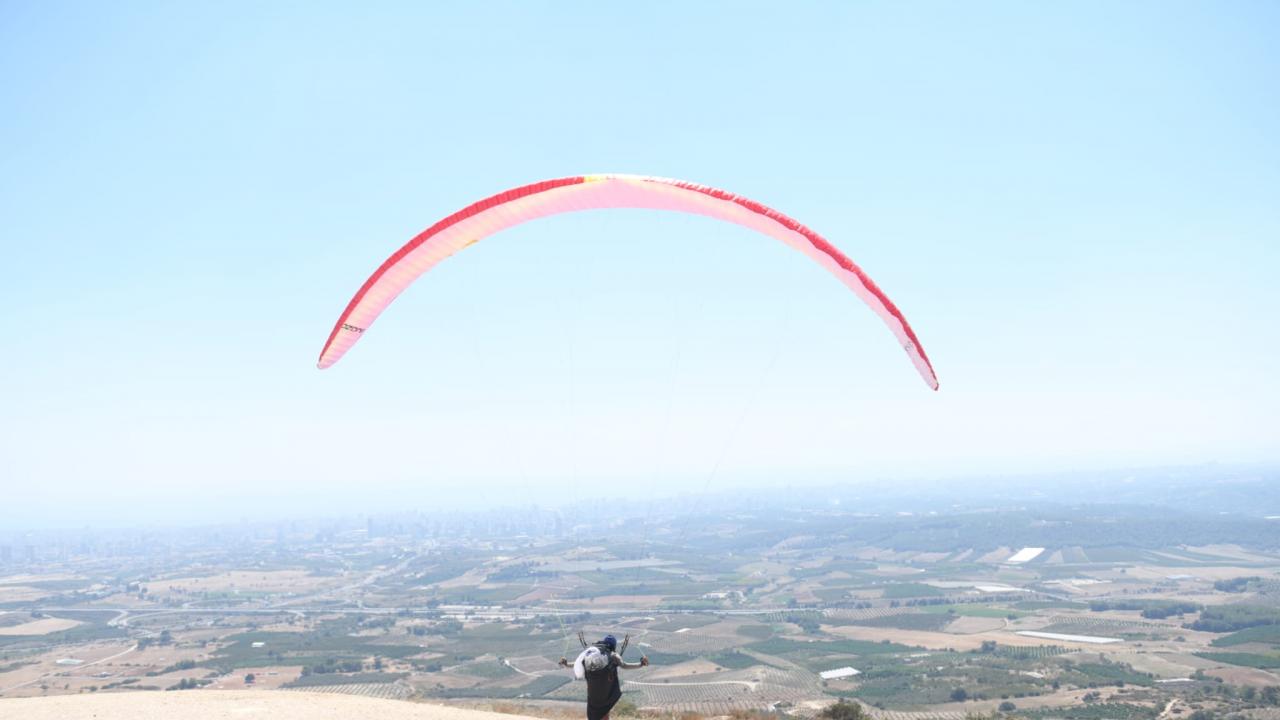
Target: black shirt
x,y
603,687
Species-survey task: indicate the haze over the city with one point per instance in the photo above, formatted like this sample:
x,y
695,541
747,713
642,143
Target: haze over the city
x,y
1074,206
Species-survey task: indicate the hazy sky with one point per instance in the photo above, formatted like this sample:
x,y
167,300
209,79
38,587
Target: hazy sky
x,y
1077,205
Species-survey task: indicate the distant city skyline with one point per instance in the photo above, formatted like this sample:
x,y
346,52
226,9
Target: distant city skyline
x,y
1211,489
1075,207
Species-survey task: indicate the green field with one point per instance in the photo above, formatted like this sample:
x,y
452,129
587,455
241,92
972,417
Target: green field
x,y
300,648
1230,618
911,590
94,627
973,611
1050,604
1119,553
490,670
1105,673
760,632
1034,652
657,657
1253,660
909,621
1259,634
733,660
533,689
832,594
678,622
1099,711
898,683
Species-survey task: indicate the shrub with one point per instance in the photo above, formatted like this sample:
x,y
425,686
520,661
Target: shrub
x,y
843,710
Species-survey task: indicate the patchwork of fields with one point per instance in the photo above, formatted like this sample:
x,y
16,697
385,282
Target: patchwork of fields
x,y
730,625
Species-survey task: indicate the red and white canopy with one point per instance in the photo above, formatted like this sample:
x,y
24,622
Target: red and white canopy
x,y
593,192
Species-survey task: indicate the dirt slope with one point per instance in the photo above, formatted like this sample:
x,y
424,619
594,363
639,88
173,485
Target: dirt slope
x,y
230,705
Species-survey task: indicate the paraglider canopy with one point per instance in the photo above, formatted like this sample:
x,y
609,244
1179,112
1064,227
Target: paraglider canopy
x,y
594,192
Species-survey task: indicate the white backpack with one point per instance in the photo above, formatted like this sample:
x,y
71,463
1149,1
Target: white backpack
x,y
592,659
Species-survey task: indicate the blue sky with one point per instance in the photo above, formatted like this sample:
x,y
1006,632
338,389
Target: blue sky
x,y
1076,205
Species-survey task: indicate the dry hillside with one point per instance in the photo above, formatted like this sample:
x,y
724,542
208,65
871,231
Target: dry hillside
x,y
230,705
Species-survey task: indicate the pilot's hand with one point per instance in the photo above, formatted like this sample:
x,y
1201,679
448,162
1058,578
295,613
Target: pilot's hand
x,y
564,662
644,661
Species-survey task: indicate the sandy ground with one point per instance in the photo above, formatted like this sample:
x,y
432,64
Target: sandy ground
x,y
265,678
692,667
95,658
1245,676
931,557
1199,572
1232,551
869,553
965,625
645,601
274,581
230,705
941,640
894,571
1163,665
997,556
119,601
40,627
21,593
542,592
26,578
470,578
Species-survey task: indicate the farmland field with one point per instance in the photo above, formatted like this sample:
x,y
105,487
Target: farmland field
x,y
40,627
1269,634
1253,660
740,617
908,621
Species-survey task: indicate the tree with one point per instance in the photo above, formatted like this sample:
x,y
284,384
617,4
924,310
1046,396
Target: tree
x,y
959,695
1007,706
248,679
843,710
